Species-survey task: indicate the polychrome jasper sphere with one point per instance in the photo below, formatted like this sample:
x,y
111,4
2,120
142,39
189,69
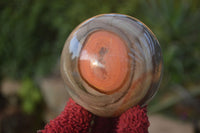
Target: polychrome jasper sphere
x,y
110,63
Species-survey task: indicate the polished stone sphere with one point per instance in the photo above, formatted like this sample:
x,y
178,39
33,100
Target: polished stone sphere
x,y
110,63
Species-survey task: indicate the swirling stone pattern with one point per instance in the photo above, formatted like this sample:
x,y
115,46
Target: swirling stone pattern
x,y
110,63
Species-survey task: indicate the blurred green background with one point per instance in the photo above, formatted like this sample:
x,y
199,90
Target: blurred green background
x,y
32,35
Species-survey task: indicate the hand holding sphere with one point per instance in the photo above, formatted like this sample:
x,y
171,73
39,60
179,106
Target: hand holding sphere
x,y
110,63
112,66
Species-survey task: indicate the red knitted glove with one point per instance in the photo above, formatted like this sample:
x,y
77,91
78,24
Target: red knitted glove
x,y
134,120
75,119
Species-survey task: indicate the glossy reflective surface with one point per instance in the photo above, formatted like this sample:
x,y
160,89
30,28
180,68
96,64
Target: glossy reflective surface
x,y
110,63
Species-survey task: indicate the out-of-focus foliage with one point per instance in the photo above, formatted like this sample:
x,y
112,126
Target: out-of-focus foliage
x,y
30,96
33,33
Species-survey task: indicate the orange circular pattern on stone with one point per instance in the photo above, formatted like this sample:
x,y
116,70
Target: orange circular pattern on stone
x,y
103,61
